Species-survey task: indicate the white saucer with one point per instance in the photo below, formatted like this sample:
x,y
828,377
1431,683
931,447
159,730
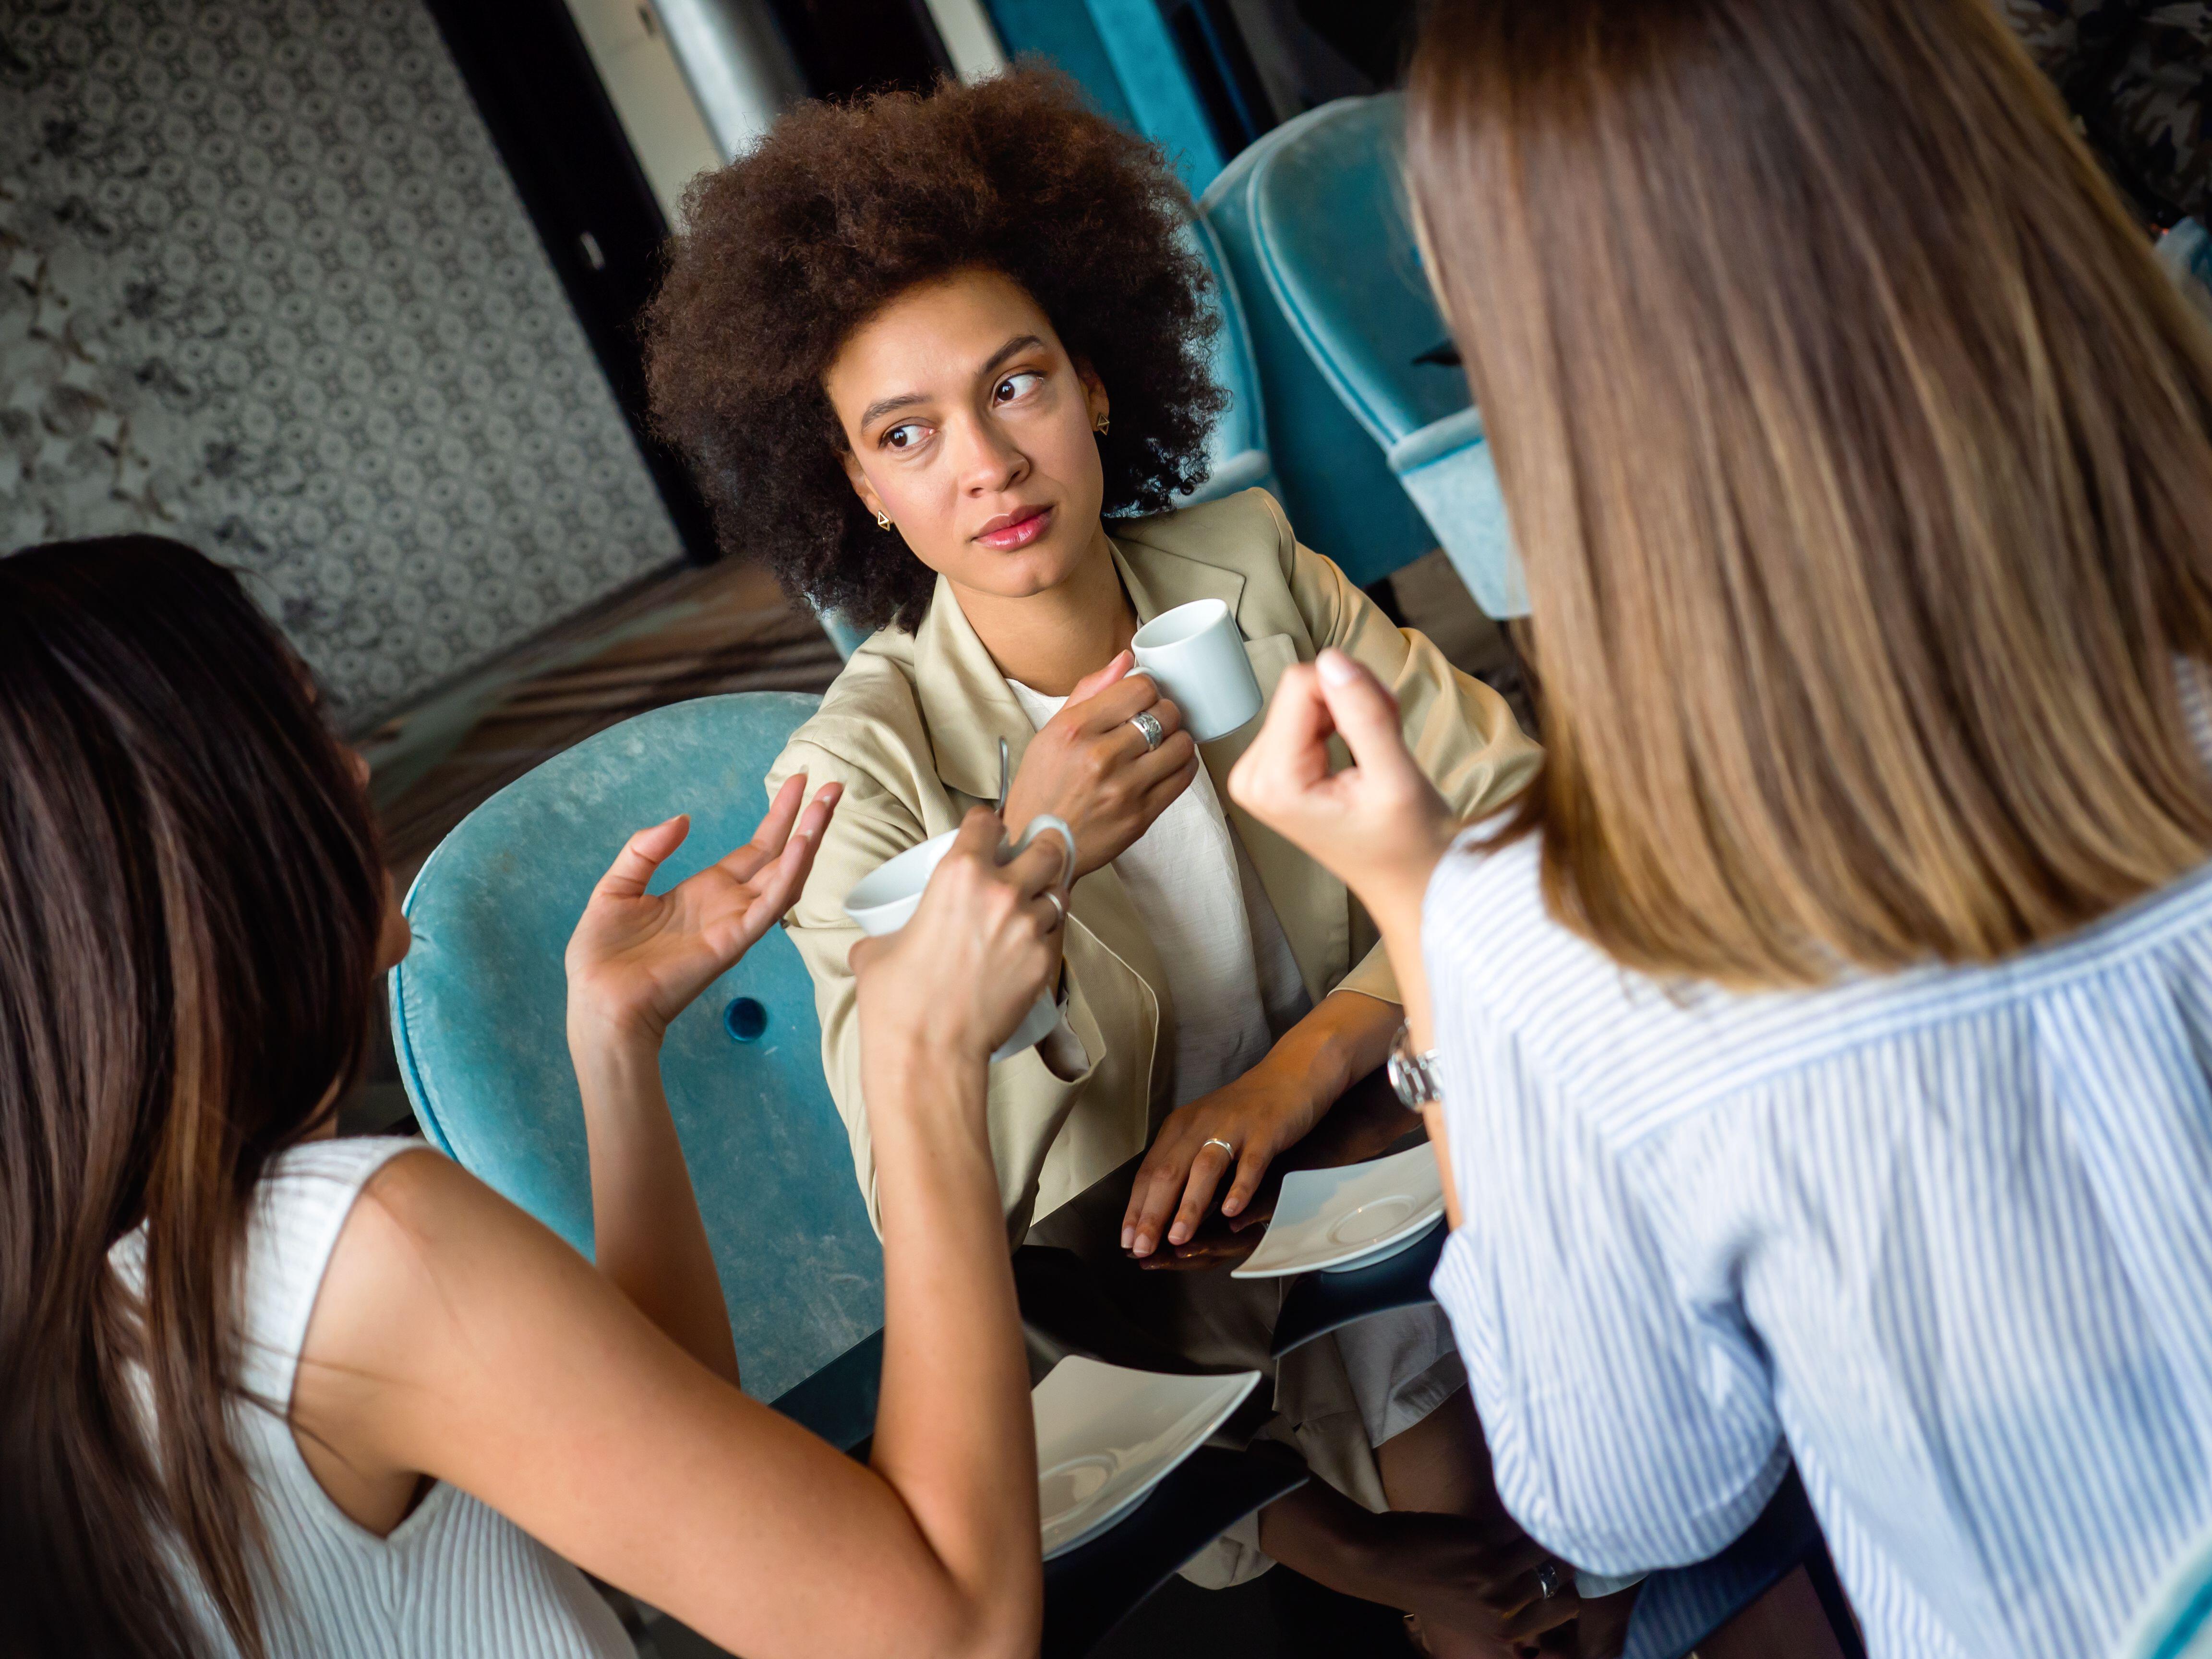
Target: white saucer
x,y
1107,1436
1340,1219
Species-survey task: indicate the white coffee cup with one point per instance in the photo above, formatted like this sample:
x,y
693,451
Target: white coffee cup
x,y
885,900
1196,655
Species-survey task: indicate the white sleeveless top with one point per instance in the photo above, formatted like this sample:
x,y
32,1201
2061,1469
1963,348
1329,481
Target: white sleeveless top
x,y
455,1579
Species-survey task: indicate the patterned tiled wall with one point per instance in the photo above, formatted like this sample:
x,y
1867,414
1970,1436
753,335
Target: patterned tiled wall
x,y
265,287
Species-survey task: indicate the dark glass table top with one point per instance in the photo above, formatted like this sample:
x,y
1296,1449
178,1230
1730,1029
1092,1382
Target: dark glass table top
x,y
1080,1290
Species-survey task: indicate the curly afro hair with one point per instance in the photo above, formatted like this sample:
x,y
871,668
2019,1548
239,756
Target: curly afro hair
x,y
842,208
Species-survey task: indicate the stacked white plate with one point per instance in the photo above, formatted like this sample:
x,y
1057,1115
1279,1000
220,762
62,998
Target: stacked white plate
x,y
1106,1436
1335,1220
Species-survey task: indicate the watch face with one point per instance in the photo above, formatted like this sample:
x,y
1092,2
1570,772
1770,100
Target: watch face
x,y
1413,1079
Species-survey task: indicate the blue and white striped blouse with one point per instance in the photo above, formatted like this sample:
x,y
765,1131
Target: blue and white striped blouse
x,y
1945,1236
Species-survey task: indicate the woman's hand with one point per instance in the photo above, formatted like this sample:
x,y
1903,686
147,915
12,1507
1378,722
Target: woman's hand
x,y
637,959
1087,764
1260,1114
1380,826
1267,1110
1472,1578
983,947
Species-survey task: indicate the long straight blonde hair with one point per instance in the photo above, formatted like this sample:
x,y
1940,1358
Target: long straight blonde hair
x,y
1857,451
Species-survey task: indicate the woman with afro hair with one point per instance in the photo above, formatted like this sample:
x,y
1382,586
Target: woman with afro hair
x,y
942,361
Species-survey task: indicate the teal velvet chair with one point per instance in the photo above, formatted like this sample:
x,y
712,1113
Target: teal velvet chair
x,y
1340,494
1316,210
2176,1621
1125,56
842,633
478,1020
478,1017
1236,449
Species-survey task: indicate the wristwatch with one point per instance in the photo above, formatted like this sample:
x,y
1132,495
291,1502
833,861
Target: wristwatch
x,y
1418,1078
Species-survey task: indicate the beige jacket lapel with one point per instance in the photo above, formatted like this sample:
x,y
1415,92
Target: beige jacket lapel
x,y
966,703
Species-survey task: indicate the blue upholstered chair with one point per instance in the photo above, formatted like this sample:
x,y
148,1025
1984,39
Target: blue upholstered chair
x,y
842,633
1316,211
1236,450
1125,55
1341,496
2176,1621
478,1019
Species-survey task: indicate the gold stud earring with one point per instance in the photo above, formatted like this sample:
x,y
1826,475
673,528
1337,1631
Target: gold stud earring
x,y
1103,421
883,521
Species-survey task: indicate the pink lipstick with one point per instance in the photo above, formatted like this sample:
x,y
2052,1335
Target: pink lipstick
x,y
1010,530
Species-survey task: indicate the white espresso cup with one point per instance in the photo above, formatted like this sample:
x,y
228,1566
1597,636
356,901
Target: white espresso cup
x,y
885,900
1196,655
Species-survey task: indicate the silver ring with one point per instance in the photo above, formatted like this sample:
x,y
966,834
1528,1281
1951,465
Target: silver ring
x,y
1059,905
1550,1580
1149,727
1217,1140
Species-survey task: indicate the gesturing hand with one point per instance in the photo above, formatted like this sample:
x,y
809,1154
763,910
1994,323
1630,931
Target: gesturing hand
x,y
1379,826
636,958
1090,766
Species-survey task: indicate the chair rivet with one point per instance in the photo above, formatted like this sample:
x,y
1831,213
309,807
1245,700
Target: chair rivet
x,y
744,1019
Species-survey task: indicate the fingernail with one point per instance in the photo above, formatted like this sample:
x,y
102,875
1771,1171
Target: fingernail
x,y
1143,1244
1178,1233
1336,668
1230,1206
1128,1235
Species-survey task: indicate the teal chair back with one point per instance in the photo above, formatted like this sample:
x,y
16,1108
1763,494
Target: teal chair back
x,y
844,635
478,1017
1341,496
1236,449
2176,1621
1331,238
1125,55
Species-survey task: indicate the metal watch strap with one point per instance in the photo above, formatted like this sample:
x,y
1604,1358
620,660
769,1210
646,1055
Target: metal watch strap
x,y
1418,1077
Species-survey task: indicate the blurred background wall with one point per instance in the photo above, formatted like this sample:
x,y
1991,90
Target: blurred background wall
x,y
270,289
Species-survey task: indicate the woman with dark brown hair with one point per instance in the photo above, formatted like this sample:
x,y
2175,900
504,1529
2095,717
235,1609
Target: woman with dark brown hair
x,y
263,1391
1824,1041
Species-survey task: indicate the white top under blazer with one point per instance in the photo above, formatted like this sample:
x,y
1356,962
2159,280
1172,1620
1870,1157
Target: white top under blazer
x,y
455,1579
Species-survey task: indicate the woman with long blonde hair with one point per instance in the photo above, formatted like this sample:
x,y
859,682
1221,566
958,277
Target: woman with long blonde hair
x,y
1824,1040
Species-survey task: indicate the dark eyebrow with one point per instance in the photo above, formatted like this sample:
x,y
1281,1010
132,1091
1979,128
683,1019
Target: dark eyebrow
x,y
884,405
1020,344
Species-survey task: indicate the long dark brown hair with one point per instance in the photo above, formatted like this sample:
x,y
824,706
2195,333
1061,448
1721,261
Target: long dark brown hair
x,y
190,899
1857,449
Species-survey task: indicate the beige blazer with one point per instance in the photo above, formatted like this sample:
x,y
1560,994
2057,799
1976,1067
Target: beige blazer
x,y
911,729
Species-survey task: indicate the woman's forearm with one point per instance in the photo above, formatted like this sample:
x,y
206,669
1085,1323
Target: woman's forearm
x,y
1401,938
1344,1037
1400,923
953,1432
646,1233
